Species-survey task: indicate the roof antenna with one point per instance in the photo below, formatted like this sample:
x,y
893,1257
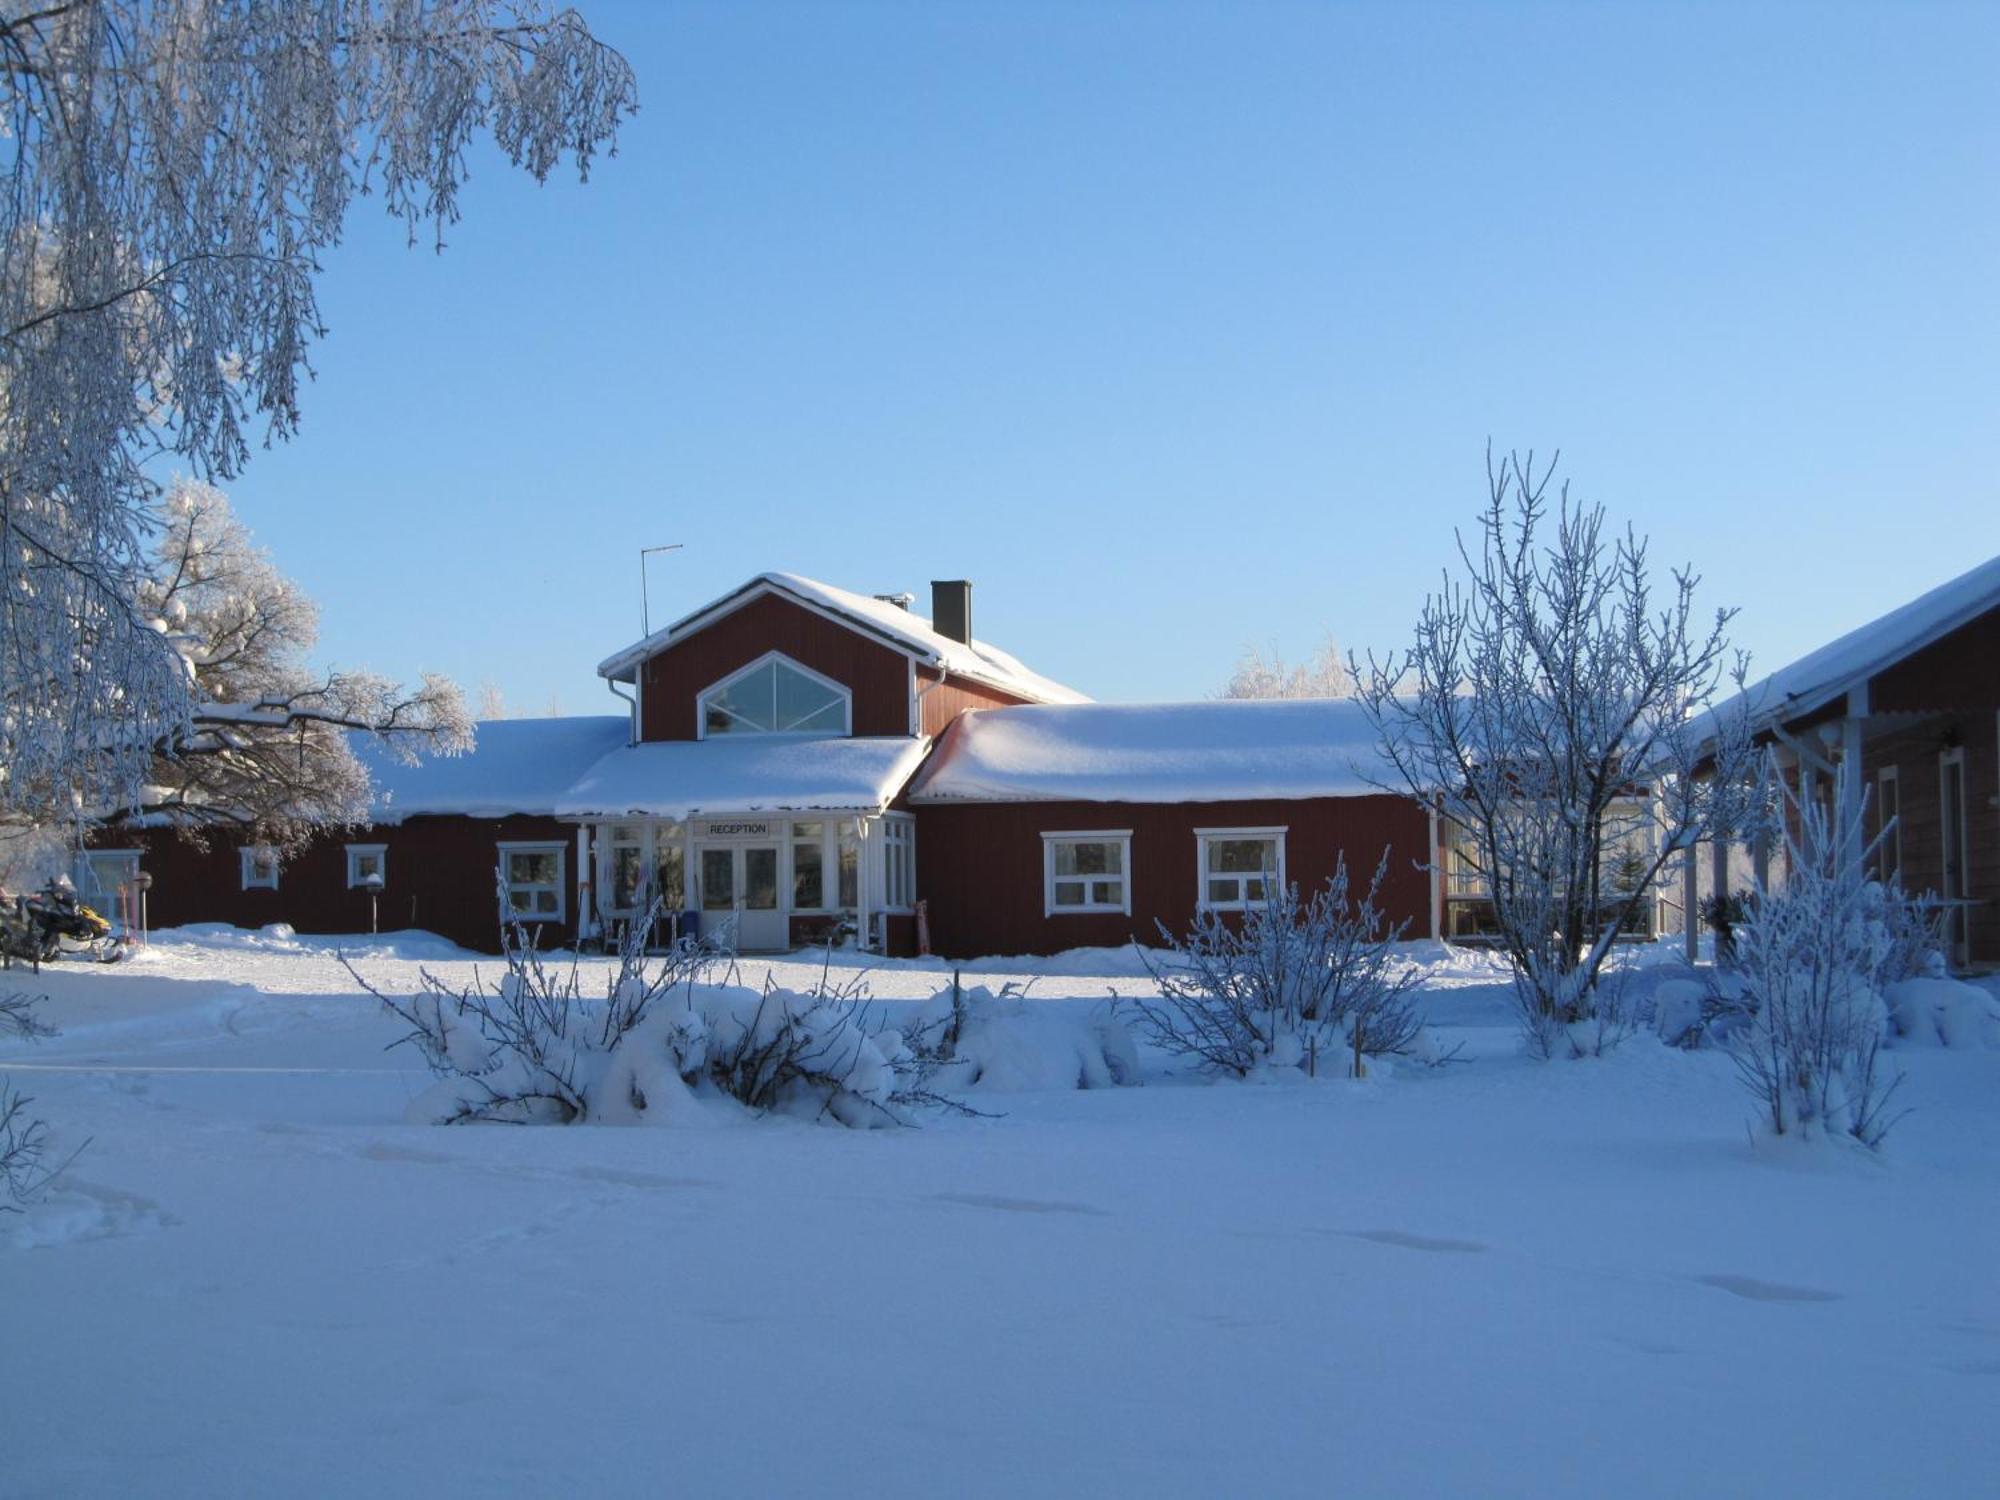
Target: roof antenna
x,y
645,605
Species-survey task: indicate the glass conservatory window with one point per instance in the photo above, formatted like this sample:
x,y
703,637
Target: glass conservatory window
x,y
775,696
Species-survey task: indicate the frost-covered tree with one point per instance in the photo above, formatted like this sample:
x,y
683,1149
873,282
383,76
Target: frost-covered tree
x,y
1547,713
1324,674
175,169
268,748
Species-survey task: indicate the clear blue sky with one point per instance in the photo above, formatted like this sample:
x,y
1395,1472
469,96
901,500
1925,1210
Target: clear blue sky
x,y
1173,326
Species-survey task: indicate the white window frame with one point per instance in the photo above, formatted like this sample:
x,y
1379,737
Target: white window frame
x,y
131,859
829,872
1119,836
899,862
845,693
537,846
354,851
249,857
1888,830
1203,837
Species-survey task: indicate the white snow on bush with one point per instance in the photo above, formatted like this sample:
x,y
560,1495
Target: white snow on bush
x,y
1004,1040
1929,1012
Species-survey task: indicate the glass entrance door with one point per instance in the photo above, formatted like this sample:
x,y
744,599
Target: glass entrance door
x,y
740,891
762,924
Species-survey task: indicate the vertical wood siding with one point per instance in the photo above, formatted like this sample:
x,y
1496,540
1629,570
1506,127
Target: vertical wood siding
x,y
980,866
944,702
1914,752
440,879
1960,671
878,675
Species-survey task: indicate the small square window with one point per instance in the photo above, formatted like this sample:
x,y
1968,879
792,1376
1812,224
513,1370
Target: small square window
x,y
260,868
1087,871
531,882
1240,867
367,866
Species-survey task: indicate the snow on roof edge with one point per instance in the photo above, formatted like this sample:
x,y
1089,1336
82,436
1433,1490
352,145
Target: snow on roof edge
x,y
1824,673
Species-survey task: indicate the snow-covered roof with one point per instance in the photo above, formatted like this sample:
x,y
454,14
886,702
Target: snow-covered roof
x,y
1818,678
895,625
1220,751
744,773
515,766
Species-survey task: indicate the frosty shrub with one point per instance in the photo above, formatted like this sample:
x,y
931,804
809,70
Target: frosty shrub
x,y
532,1048
1912,933
24,1139
1811,960
1300,983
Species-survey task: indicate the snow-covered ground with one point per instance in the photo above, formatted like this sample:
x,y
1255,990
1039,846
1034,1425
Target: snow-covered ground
x,y
1499,1278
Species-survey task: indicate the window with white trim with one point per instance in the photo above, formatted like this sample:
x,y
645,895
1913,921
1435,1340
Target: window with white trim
x,y
1087,870
367,865
899,863
1238,867
260,867
531,882
775,695
1888,825
809,866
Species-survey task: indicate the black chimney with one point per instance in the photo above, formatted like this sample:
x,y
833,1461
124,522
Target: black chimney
x,y
951,608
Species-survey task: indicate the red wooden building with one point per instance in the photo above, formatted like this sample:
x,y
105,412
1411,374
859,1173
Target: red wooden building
x,y
1900,717
766,782
1046,828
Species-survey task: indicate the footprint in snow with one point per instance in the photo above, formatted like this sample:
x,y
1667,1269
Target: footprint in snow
x,y
619,1177
1766,1291
384,1151
1408,1241
1017,1205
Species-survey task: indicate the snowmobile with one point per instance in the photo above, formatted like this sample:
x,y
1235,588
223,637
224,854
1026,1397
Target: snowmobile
x,y
36,927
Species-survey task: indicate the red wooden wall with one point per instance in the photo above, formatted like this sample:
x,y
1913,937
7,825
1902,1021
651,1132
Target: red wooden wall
x,y
440,879
980,866
946,701
878,675
1914,752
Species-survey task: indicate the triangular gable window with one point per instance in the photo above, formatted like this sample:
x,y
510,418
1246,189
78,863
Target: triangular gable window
x,y
775,696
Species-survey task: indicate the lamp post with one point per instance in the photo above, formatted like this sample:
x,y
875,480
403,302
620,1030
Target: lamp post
x,y
142,883
372,884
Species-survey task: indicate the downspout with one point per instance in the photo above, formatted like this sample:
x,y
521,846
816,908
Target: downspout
x,y
917,698
631,710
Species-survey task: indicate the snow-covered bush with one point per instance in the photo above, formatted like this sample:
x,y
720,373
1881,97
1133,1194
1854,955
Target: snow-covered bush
x,y
1811,959
1912,933
1300,983
24,1140
979,1038
1930,1011
532,1048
